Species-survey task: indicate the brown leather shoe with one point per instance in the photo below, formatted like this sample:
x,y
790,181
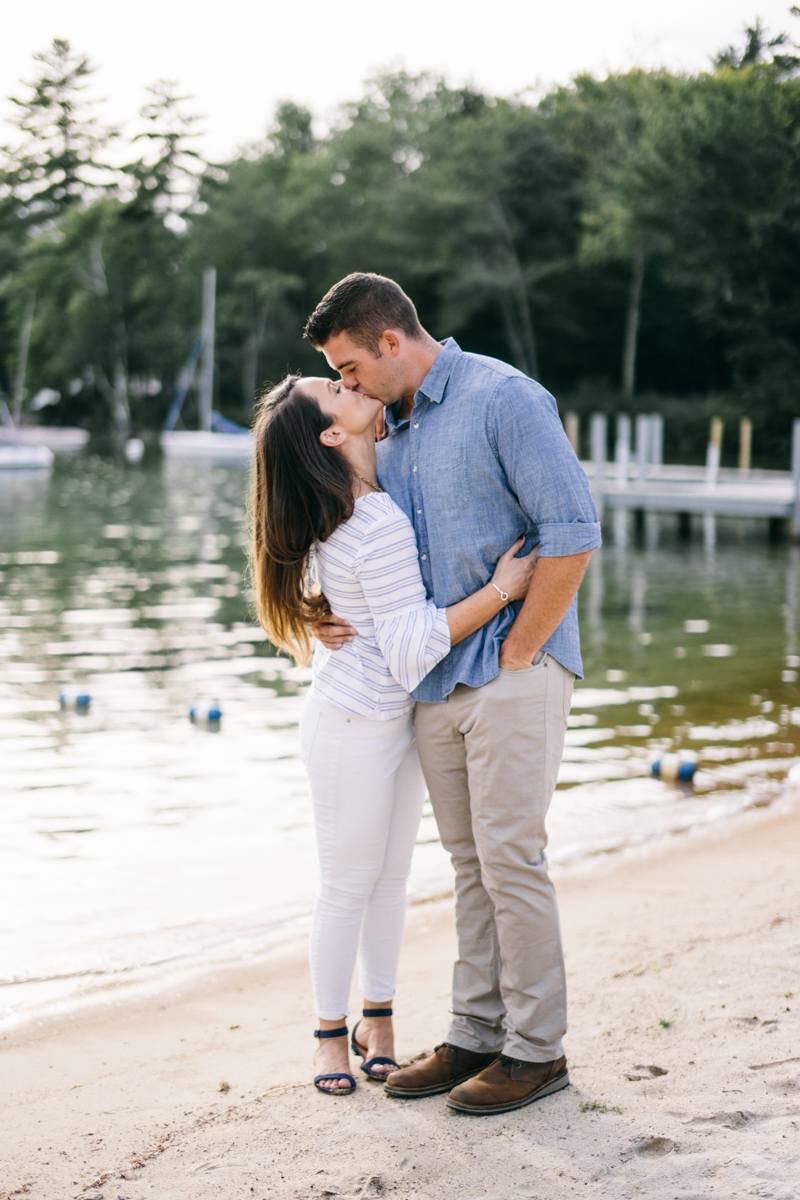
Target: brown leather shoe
x,y
508,1083
442,1070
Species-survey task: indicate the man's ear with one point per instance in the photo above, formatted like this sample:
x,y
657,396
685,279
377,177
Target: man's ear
x,y
332,437
389,343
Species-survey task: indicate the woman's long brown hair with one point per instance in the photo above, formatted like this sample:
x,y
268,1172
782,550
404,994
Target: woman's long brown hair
x,y
301,492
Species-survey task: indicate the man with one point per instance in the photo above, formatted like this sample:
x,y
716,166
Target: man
x,y
475,456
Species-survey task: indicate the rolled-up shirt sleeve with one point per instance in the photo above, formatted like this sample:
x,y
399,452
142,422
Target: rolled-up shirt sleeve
x,y
412,633
542,468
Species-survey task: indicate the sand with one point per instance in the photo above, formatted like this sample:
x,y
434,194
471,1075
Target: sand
x,y
684,1054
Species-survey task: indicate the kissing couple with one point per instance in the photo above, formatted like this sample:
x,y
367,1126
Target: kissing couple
x,y
437,565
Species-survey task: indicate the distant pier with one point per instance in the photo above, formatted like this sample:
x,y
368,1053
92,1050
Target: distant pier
x,y
640,481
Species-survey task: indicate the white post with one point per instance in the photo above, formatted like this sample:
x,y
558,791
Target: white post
x,y
713,453
207,366
599,442
642,445
656,439
623,449
795,530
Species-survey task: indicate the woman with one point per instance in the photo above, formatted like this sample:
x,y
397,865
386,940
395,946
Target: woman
x,y
326,533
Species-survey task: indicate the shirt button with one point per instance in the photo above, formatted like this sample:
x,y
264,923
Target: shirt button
x,y
413,468
423,557
416,424
419,511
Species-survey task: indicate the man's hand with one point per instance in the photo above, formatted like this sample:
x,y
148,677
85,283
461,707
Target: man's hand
x,y
508,663
334,632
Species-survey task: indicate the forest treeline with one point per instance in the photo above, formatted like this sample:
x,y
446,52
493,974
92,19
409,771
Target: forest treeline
x,y
632,242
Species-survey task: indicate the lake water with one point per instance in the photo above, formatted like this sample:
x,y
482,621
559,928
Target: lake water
x,y
135,843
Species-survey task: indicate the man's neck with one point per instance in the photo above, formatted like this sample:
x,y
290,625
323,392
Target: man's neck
x,y
406,407
421,363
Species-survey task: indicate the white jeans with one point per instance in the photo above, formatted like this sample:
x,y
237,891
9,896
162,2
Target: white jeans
x,y
368,790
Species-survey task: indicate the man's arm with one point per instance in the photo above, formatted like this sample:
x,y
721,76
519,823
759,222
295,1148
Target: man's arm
x,y
555,582
551,487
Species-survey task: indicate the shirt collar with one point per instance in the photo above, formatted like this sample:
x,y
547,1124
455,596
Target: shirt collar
x,y
433,385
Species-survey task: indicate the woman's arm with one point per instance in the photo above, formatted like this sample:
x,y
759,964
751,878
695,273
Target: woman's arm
x,y
413,634
511,579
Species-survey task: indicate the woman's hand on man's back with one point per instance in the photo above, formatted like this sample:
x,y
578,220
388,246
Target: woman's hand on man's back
x,y
513,575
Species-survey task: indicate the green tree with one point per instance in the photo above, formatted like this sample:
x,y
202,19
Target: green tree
x,y
759,50
112,304
496,215
54,165
58,160
254,222
604,121
718,177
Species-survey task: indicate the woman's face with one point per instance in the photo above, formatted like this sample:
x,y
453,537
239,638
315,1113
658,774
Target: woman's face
x,y
353,412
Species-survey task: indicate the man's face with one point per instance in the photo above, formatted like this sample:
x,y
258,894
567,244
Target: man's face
x,y
361,371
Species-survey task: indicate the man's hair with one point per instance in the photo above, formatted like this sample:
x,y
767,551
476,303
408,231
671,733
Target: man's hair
x,y
363,305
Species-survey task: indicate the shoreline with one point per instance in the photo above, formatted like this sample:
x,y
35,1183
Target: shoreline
x,y
139,982
684,1053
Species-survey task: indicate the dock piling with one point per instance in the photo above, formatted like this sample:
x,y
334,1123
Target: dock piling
x,y
714,453
572,429
599,444
656,439
623,449
745,444
795,526
643,442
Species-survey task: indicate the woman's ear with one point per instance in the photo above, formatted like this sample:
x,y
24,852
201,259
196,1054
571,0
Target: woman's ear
x,y
332,437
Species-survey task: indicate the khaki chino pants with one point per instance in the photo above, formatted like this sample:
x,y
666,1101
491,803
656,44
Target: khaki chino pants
x,y
491,757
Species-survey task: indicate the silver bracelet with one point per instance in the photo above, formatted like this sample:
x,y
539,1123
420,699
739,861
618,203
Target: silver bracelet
x,y
503,595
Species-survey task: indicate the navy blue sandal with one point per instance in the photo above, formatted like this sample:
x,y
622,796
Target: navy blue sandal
x,y
326,1033
361,1051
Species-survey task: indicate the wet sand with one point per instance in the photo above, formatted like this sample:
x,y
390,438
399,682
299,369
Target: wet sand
x,y
684,1053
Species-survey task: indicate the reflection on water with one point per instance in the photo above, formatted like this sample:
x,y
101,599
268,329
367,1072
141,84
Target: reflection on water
x,y
133,839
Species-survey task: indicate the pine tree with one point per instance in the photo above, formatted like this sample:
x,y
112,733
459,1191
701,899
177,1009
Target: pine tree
x,y
57,162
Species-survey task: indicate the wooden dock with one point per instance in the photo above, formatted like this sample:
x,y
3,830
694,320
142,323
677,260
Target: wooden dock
x,y
643,485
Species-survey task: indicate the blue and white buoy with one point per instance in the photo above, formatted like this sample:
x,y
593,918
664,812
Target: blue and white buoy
x,y
205,712
74,699
674,768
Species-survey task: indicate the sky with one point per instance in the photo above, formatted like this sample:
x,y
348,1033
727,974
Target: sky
x,y
239,58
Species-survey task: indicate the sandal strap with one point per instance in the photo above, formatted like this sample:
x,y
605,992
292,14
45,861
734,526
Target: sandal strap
x,y
326,1033
335,1075
378,1061
377,1012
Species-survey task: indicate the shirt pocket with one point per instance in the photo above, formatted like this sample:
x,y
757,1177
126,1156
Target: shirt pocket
x,y
450,459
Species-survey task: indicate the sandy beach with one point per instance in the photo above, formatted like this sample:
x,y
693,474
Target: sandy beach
x,y
684,1054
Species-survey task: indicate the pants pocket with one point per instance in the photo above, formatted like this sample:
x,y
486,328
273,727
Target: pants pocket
x,y
569,687
540,659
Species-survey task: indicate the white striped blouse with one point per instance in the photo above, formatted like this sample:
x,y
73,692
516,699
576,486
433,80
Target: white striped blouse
x,y
368,570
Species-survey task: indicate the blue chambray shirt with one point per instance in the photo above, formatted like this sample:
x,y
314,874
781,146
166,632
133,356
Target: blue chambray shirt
x,y
483,460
